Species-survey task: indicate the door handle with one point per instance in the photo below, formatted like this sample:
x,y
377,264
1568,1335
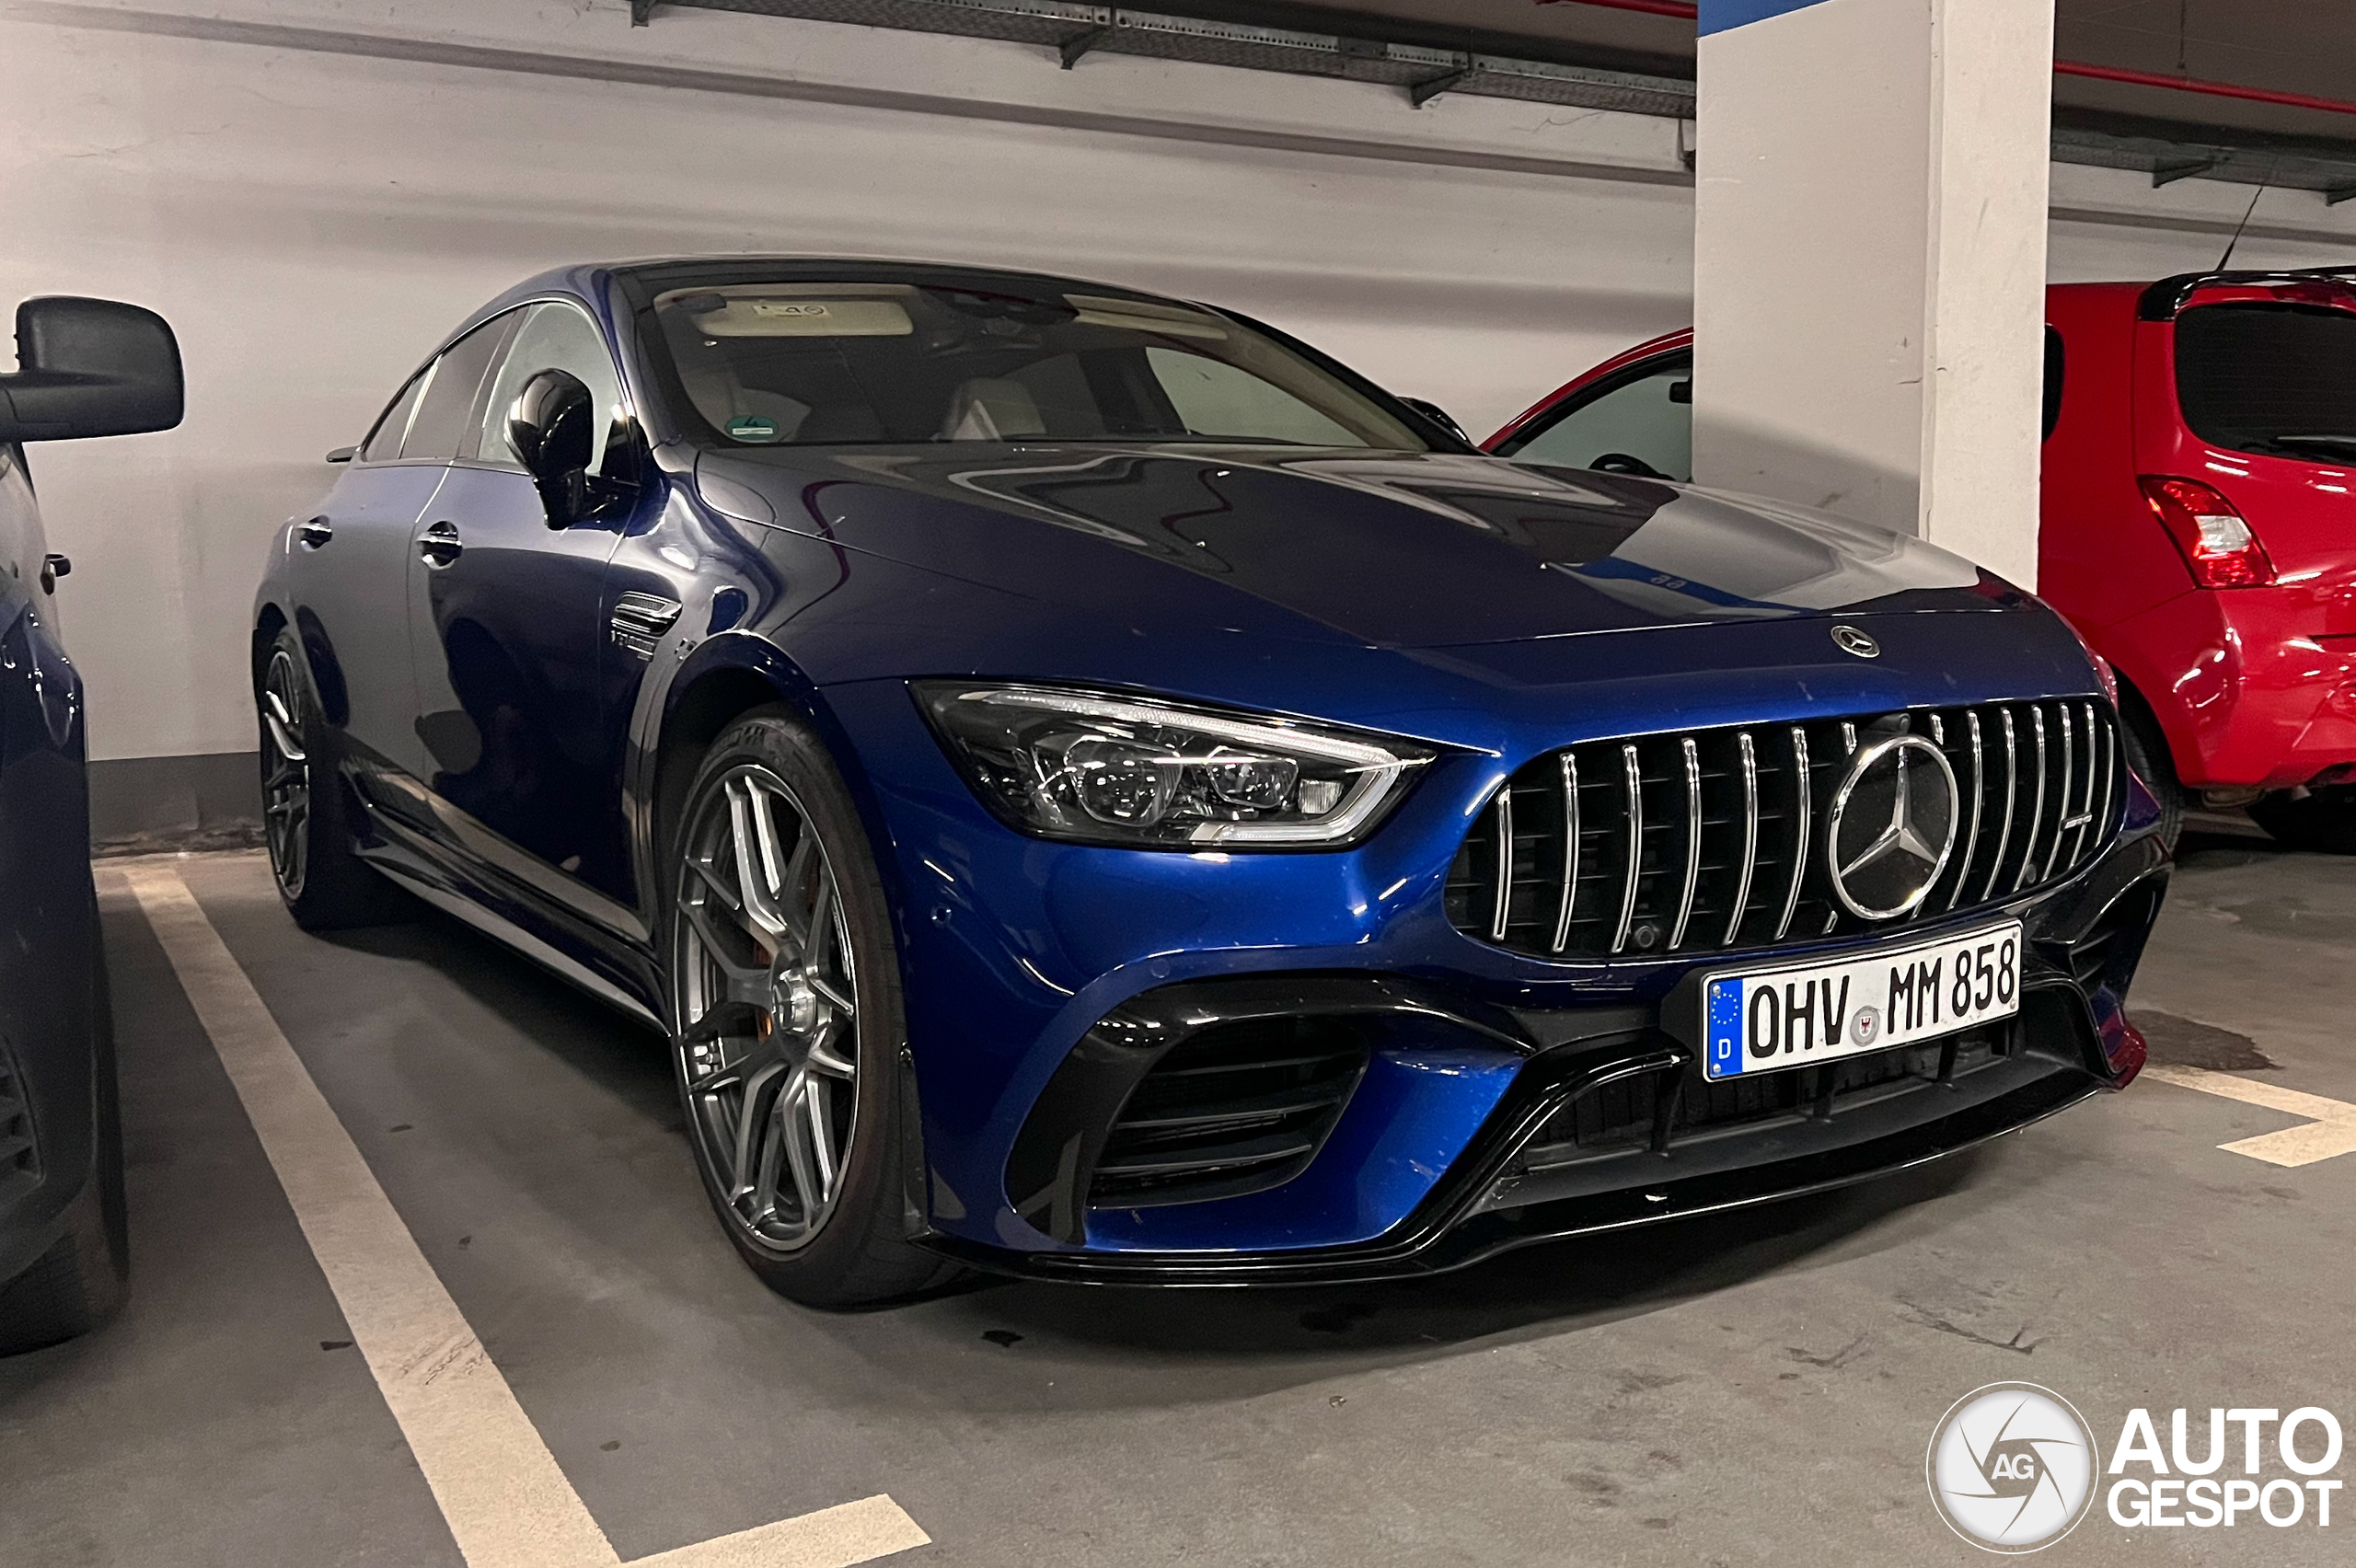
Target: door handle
x,y
440,545
315,532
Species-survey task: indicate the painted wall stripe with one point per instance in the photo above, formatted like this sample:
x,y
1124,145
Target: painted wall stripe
x,y
506,1499
1717,16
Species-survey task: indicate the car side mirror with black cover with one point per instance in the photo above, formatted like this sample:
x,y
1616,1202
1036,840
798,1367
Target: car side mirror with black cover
x,y
88,367
553,425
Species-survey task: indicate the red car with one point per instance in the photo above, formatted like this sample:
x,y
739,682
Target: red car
x,y
2200,518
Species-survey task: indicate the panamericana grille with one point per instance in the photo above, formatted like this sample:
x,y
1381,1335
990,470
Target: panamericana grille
x,y
1713,840
1236,1109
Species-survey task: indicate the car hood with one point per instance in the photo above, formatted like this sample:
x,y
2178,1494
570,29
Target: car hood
x,y
1379,549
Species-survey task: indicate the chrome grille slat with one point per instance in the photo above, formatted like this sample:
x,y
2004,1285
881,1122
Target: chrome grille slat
x,y
1585,855
1802,812
1504,905
2069,781
2109,780
1570,852
1971,842
1693,842
2012,788
1750,838
1635,845
2037,811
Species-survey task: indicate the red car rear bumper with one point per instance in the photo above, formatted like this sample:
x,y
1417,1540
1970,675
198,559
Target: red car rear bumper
x,y
2249,694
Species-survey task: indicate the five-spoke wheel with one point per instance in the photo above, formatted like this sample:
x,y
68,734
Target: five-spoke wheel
x,y
308,815
768,992
285,772
785,994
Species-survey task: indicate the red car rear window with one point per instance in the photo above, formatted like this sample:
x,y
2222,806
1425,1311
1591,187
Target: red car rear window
x,y
2277,379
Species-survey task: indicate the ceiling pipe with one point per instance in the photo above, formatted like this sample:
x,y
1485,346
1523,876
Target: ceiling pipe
x,y
2061,67
2195,85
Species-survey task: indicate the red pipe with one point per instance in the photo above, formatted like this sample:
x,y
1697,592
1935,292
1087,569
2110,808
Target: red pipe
x,y
2195,85
2061,67
1651,8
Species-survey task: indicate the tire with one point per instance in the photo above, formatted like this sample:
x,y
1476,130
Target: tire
x,y
2322,820
2148,754
786,993
308,809
80,1282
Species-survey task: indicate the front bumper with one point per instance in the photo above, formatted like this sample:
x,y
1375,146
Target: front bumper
x,y
1044,981
2251,690
1603,1101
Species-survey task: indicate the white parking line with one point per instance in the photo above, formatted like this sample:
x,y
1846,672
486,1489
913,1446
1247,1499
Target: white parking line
x,y
2331,1132
506,1499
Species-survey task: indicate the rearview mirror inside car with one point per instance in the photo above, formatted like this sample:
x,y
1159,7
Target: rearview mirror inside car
x,y
89,367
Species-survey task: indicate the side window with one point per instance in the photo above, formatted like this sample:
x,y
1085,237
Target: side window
x,y
445,408
1213,398
1647,416
384,443
2056,364
552,336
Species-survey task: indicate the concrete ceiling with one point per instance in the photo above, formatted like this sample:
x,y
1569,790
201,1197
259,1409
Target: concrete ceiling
x,y
2300,46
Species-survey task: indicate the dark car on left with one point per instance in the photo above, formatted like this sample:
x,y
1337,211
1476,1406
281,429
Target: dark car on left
x,y
84,367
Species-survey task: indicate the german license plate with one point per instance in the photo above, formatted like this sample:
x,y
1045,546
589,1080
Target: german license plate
x,y
1798,1015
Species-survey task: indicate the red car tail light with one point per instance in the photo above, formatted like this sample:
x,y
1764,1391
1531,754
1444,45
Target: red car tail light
x,y
2217,543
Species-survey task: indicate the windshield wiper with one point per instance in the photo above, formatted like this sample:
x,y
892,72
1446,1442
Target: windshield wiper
x,y
2341,442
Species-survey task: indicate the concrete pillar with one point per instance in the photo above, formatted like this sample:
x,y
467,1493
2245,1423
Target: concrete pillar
x,y
1869,261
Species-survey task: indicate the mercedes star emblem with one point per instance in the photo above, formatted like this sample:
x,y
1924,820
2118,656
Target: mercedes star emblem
x,y
1849,639
1892,827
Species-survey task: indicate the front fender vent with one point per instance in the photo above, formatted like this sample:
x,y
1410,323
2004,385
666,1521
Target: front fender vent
x,y
1708,841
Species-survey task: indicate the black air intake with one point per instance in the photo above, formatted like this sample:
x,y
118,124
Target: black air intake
x,y
1234,1110
1713,840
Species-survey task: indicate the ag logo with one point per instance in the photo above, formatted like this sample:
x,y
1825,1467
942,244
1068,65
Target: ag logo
x,y
2012,1467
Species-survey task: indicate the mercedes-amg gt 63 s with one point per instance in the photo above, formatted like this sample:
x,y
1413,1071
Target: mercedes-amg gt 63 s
x,y
1090,788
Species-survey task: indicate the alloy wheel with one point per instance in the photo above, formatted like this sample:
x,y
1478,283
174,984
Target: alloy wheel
x,y
767,997
285,774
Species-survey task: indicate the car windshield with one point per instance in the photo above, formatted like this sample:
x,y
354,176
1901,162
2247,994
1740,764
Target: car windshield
x,y
2276,379
811,363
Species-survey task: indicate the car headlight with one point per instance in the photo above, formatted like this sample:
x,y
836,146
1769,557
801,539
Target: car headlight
x,y
1097,768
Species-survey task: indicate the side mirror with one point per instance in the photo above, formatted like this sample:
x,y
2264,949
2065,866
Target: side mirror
x,y
89,367
1438,416
552,426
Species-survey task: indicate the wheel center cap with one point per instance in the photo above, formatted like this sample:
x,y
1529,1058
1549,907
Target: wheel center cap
x,y
797,1003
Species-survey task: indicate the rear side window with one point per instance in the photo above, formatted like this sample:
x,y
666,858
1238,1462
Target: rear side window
x,y
2274,379
445,410
1645,414
552,336
384,443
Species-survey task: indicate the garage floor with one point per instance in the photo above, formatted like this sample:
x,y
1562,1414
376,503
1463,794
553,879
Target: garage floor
x,y
1717,1392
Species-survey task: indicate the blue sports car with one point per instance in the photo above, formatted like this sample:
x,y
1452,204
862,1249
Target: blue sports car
x,y
84,367
1091,788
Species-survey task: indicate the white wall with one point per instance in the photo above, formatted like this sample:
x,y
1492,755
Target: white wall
x,y
311,221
